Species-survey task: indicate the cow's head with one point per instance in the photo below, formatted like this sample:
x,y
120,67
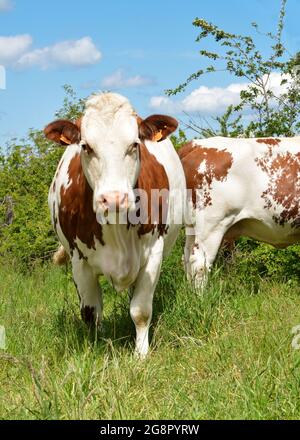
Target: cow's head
x,y
110,134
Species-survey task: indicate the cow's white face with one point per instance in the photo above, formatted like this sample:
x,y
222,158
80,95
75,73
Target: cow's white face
x,y
110,134
110,156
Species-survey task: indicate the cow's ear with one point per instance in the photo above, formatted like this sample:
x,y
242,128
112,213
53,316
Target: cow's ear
x,y
156,127
63,132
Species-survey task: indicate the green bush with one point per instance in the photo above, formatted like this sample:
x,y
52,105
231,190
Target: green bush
x,y
26,171
251,260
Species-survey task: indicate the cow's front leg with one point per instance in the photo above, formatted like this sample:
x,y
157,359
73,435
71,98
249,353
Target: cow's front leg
x,y
142,299
89,291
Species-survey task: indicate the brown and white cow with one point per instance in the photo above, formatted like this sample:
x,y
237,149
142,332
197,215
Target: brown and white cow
x,y
111,203
239,187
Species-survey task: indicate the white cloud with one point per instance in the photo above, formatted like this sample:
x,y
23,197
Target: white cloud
x,y
11,48
214,100
15,51
203,99
210,100
75,53
165,104
6,5
118,80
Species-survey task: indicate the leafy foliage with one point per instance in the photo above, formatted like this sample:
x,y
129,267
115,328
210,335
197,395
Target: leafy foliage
x,y
26,172
179,140
72,106
252,260
25,176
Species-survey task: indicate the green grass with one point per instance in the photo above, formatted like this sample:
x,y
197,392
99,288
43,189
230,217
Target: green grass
x,y
224,355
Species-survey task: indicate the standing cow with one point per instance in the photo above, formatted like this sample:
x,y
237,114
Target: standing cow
x,y
238,187
113,160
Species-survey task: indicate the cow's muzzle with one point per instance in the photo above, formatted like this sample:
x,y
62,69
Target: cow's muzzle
x,y
113,202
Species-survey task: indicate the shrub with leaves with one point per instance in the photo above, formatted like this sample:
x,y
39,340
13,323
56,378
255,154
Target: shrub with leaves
x,y
26,171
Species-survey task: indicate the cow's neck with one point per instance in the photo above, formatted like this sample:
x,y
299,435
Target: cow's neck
x,y
152,177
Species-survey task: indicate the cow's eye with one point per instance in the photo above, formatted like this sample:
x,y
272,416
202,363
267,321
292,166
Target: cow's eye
x,y
86,148
132,150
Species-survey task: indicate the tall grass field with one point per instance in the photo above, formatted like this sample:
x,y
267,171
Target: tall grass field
x,y
224,354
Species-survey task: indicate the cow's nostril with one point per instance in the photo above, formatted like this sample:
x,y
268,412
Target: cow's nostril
x,y
102,200
114,200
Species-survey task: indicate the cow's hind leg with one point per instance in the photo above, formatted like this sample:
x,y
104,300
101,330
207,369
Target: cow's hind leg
x,y
142,298
89,291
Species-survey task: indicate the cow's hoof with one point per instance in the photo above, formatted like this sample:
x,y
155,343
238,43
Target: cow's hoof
x,y
89,315
140,356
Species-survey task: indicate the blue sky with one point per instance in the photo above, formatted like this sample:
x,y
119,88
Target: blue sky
x,y
137,48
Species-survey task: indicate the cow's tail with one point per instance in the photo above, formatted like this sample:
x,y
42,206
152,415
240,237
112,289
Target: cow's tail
x,y
61,256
